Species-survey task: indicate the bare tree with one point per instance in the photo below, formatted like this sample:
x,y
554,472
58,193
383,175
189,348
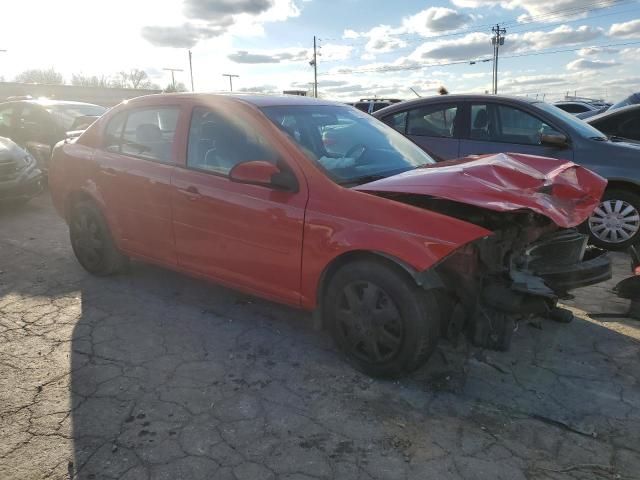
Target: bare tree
x,y
179,87
135,78
90,81
38,75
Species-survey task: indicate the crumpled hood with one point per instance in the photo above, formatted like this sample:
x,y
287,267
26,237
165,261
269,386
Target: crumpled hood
x,y
561,190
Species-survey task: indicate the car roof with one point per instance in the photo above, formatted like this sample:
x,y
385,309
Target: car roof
x,y
456,97
615,111
255,99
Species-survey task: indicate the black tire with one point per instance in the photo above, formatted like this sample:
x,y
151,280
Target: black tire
x,y
596,225
384,324
92,242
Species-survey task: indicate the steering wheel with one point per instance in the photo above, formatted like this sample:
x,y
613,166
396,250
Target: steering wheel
x,y
354,149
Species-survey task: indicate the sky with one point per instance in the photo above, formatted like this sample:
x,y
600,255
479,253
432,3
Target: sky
x,y
366,48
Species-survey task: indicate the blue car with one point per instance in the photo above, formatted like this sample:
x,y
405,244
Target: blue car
x,y
453,126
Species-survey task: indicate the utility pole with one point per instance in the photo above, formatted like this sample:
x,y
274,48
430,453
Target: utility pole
x,y
191,71
497,40
173,78
314,64
231,77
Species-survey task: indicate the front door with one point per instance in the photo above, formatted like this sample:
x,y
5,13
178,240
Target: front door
x,y
497,128
247,236
134,177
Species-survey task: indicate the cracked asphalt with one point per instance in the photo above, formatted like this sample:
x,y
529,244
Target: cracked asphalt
x,y
153,375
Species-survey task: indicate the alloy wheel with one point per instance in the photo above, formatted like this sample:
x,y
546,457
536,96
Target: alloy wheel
x,y
614,221
370,322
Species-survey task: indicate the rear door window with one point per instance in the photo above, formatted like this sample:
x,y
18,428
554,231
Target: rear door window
x,y
147,133
397,121
432,121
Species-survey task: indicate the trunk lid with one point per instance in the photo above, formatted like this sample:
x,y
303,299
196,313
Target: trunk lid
x,y
558,189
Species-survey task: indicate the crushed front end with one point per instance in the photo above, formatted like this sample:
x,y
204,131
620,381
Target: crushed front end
x,y
520,271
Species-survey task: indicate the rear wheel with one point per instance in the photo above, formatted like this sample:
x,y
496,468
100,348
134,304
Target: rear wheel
x,y
384,324
615,223
91,241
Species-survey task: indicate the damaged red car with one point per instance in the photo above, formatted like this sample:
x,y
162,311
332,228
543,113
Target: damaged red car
x,y
320,206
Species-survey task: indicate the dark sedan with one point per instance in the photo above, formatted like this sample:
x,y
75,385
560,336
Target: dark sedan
x,y
37,125
623,122
453,126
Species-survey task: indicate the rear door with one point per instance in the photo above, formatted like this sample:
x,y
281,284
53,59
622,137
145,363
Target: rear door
x,y
499,128
435,128
134,177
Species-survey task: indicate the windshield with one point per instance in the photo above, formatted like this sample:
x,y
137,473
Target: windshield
x,y
350,146
630,100
66,115
583,128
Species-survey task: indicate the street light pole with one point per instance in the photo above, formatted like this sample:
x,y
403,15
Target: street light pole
x,y
173,78
191,70
231,77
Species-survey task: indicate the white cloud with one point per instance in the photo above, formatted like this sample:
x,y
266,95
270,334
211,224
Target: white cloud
x,y
381,40
350,34
593,51
211,18
435,20
332,52
278,56
562,35
629,29
542,10
585,64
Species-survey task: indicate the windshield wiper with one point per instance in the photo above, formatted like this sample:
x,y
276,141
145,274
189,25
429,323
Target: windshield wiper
x,y
616,138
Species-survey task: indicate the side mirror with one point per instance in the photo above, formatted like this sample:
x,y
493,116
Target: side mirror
x,y
554,140
266,174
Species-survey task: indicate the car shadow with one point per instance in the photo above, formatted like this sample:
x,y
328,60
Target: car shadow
x,y
172,376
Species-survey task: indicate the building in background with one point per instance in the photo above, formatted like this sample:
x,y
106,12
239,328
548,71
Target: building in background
x,y
105,96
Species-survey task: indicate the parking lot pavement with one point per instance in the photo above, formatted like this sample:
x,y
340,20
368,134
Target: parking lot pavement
x,y
155,375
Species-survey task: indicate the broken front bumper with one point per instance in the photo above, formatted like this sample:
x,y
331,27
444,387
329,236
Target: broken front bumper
x,y
563,262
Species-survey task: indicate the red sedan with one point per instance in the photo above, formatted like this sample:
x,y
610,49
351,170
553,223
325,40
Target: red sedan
x,y
391,250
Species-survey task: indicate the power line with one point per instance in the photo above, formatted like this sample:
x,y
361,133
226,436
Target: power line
x,y
515,23
398,68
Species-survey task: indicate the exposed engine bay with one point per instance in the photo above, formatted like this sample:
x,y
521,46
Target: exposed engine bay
x,y
520,271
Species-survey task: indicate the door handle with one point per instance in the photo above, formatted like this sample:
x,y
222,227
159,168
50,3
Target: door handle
x,y
108,171
191,192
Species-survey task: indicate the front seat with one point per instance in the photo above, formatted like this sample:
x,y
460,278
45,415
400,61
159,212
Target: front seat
x,y
480,126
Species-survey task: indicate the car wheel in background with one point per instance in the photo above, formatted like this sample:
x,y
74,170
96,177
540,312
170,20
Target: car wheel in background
x,y
92,242
380,319
615,223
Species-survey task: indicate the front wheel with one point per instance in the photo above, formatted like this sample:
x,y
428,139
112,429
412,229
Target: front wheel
x,y
615,223
384,324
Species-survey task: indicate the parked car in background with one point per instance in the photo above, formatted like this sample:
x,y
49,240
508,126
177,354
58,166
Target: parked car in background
x,y
454,126
20,178
371,105
575,107
633,99
389,248
622,122
37,125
